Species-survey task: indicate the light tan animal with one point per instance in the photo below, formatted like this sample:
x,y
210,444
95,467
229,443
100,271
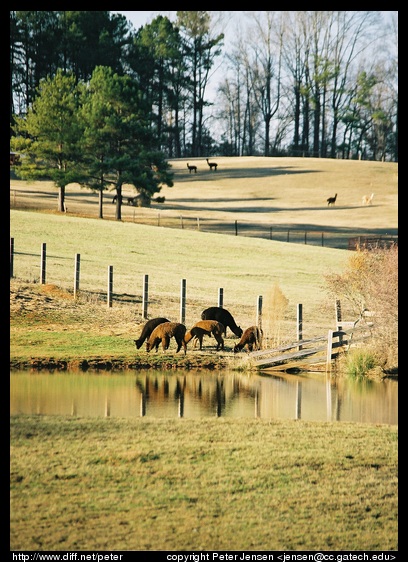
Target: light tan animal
x,y
206,328
367,199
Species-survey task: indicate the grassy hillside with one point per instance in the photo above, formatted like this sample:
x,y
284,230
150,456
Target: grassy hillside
x,y
259,193
245,268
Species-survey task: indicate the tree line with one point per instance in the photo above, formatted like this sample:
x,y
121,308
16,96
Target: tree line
x,y
302,83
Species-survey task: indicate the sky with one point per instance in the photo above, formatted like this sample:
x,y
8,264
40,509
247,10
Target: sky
x,y
139,18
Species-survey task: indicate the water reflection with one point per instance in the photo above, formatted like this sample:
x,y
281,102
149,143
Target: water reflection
x,y
197,395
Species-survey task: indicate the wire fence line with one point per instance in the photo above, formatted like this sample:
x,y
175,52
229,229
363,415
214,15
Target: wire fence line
x,y
157,215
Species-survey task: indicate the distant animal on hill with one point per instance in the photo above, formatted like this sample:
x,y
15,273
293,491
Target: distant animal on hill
x,y
224,316
147,329
213,165
115,198
192,168
251,338
206,328
163,333
367,199
331,200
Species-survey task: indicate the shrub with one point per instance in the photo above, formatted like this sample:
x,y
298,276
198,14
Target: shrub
x,y
358,362
370,283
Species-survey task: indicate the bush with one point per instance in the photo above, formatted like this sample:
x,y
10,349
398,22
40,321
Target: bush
x,y
370,283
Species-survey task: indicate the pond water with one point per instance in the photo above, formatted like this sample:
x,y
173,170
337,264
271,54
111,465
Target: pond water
x,y
197,394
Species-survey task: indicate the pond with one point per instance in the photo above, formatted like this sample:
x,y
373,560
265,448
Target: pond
x,y
198,394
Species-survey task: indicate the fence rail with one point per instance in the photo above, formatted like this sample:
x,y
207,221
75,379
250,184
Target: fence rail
x,y
313,354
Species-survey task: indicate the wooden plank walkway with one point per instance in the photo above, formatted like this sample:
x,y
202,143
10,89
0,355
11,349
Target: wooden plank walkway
x,y
313,354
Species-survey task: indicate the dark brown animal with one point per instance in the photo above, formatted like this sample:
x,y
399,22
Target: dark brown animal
x,y
213,165
224,316
148,329
331,200
206,328
251,338
192,168
163,333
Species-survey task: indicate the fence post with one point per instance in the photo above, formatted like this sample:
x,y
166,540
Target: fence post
x,y
329,351
145,295
183,301
220,297
259,312
76,274
11,257
236,228
43,262
110,285
198,223
300,324
339,327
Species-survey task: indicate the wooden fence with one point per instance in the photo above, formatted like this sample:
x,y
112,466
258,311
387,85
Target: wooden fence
x,y
315,354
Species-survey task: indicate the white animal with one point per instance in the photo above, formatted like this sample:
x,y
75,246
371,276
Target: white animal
x,y
367,199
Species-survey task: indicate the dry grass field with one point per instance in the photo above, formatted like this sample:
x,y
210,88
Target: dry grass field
x,y
279,191
259,193
217,484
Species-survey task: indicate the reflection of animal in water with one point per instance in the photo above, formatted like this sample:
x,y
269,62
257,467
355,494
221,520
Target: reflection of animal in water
x,y
192,168
251,338
224,316
331,200
163,333
212,165
148,329
206,328
367,199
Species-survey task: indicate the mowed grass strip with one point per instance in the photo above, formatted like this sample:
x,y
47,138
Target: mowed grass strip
x,y
92,484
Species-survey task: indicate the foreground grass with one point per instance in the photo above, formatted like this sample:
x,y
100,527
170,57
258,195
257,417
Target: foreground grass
x,y
89,484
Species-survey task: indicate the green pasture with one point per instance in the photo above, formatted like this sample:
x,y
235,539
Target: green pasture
x,y
201,485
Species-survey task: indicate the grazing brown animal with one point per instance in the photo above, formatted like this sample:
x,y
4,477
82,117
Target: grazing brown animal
x,y
251,338
331,200
224,316
206,328
192,168
163,333
148,329
212,165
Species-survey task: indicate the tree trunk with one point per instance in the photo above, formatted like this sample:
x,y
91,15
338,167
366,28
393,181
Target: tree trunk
x,y
118,210
100,204
61,199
